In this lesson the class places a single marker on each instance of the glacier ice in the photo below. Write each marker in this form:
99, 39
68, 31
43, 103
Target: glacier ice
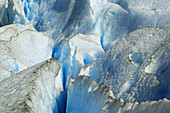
11, 11
109, 19
121, 46
95, 98
91, 98
73, 55
22, 46
31, 90
9, 31
123, 67
84, 52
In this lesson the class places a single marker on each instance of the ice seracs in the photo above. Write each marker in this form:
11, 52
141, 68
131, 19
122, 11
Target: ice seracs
31, 90
109, 19
124, 67
118, 106
21, 46
12, 11
76, 52
4, 73
85, 95
83, 48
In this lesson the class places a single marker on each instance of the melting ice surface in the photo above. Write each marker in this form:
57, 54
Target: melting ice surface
120, 46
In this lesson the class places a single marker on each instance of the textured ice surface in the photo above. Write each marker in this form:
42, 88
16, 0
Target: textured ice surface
12, 11
12, 30
137, 67
83, 48
75, 53
109, 19
30, 91
91, 98
117, 106
96, 98
21, 46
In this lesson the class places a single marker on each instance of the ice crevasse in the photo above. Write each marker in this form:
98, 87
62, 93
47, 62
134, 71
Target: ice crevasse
84, 56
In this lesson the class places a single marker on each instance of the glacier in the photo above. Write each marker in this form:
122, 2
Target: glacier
79, 56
